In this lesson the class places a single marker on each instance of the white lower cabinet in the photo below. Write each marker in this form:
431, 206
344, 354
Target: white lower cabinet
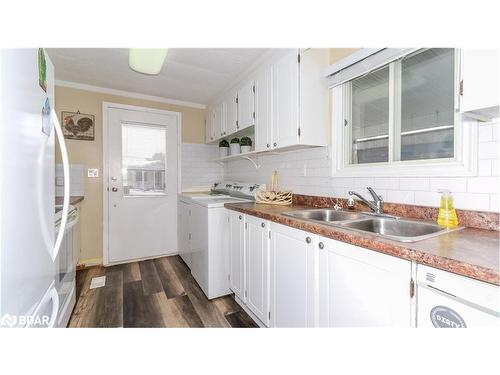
249, 264
237, 254
362, 288
293, 291
257, 267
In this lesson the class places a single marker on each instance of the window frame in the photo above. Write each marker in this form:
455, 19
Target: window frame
463, 163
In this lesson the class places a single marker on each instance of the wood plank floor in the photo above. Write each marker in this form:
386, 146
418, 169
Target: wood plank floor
152, 293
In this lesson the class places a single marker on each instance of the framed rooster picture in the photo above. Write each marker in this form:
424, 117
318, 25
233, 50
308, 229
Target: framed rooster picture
78, 125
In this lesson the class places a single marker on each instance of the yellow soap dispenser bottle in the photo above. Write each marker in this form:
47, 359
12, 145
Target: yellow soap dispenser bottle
447, 216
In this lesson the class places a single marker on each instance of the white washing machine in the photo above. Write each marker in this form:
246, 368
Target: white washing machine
203, 233
447, 300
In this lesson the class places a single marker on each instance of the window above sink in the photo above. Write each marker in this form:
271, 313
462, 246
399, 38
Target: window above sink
402, 118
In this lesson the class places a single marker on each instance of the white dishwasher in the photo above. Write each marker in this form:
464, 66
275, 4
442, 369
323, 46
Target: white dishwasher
447, 300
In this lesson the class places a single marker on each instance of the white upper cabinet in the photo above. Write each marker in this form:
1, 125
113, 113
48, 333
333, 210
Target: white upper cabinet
210, 126
480, 93
231, 113
286, 101
246, 110
313, 97
219, 120
263, 109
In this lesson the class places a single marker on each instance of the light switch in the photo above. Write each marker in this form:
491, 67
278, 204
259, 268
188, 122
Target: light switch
93, 172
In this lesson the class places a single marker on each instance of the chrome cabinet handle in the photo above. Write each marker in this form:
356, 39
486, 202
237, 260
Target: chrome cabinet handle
321, 245
275, 144
240, 217
263, 225
114, 190
308, 239
268, 145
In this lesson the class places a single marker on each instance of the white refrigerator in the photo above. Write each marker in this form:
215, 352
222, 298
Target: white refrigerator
29, 244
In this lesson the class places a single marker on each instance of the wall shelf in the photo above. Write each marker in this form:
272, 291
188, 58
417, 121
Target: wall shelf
245, 156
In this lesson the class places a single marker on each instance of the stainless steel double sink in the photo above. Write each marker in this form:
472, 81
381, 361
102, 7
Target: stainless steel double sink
387, 226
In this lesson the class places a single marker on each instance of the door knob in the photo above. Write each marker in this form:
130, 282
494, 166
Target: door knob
114, 190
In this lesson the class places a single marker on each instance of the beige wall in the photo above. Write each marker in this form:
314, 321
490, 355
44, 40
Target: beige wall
337, 54
89, 153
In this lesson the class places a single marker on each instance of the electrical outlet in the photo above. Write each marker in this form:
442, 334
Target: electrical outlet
92, 172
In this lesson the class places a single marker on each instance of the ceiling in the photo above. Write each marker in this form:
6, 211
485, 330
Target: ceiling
189, 74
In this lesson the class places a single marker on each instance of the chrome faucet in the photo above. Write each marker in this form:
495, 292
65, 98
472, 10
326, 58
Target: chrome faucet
376, 205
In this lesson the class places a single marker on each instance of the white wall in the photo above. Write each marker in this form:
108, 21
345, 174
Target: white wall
307, 171
198, 169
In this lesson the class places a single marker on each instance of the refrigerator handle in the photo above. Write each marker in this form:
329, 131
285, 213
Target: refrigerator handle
54, 296
65, 162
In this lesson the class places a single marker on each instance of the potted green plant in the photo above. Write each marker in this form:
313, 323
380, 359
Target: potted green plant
235, 146
246, 144
223, 148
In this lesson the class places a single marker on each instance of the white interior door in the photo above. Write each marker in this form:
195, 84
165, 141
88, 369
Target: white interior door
142, 161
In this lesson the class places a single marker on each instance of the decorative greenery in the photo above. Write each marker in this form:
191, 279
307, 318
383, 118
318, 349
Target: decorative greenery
246, 141
223, 143
235, 140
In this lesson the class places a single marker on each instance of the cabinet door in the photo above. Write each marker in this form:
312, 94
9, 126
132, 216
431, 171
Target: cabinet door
362, 288
237, 254
286, 100
480, 82
218, 118
257, 267
210, 125
183, 232
231, 113
293, 287
263, 109
246, 110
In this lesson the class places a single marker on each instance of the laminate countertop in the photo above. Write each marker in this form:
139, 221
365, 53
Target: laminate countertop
72, 200
468, 252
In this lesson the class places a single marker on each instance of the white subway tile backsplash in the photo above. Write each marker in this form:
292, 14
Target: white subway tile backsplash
489, 150
485, 133
414, 183
495, 202
483, 184
484, 167
386, 183
401, 196
496, 131
455, 184
197, 165
476, 202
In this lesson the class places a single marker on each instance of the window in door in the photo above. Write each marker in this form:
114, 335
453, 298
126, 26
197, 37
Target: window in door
144, 154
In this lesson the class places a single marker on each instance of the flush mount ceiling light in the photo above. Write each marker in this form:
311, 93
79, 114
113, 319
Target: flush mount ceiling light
147, 60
